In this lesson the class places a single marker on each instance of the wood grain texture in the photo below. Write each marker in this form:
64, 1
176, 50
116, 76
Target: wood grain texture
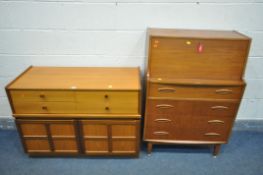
48, 114
190, 91
192, 108
194, 85
111, 137
117, 102
78, 78
219, 59
202, 34
96, 137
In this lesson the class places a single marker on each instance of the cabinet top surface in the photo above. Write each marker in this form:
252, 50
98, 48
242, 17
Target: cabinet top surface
74, 78
205, 34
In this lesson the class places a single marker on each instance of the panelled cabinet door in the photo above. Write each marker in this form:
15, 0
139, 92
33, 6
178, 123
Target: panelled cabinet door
110, 136
46, 136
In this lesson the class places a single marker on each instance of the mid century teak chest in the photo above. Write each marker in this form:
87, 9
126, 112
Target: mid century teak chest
77, 110
194, 86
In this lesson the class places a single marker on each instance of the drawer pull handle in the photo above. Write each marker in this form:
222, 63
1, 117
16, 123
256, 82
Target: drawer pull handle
224, 91
162, 120
107, 108
166, 90
216, 121
164, 106
42, 96
44, 107
106, 96
219, 107
161, 133
212, 134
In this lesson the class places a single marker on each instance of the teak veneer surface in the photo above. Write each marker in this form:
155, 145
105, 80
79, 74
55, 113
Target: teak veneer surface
78, 78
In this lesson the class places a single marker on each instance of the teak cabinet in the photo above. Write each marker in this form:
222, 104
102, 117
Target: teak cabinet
77, 111
194, 86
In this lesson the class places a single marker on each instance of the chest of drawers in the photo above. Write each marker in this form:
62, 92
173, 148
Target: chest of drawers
194, 86
77, 111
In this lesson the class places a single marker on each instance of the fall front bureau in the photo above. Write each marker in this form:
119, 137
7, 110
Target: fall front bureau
194, 86
77, 111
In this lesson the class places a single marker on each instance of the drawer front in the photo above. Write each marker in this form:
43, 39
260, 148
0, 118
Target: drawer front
108, 102
198, 128
32, 107
42, 96
197, 58
176, 91
171, 108
205, 128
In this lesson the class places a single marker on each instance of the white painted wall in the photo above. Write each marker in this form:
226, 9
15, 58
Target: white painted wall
112, 33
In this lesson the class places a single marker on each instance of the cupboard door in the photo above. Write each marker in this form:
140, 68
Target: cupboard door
109, 137
49, 136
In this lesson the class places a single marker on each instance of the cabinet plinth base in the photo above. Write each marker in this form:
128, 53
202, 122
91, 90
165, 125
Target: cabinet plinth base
216, 147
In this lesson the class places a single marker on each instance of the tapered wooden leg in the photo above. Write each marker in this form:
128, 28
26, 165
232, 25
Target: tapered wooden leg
149, 148
216, 149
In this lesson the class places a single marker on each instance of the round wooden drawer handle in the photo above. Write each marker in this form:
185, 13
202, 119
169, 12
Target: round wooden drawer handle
42, 96
107, 108
106, 96
44, 107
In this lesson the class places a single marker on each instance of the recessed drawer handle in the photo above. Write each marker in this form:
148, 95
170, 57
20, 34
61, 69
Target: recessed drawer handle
219, 107
162, 120
44, 107
161, 133
42, 96
164, 106
224, 91
212, 134
216, 121
166, 90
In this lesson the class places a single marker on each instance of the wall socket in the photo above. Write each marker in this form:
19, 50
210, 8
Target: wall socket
7, 123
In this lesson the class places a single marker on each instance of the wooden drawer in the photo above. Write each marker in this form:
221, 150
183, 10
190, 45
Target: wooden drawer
33, 107
170, 108
197, 58
41, 96
189, 128
109, 102
177, 91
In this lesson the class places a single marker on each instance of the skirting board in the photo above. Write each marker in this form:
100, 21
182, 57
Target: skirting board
8, 123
